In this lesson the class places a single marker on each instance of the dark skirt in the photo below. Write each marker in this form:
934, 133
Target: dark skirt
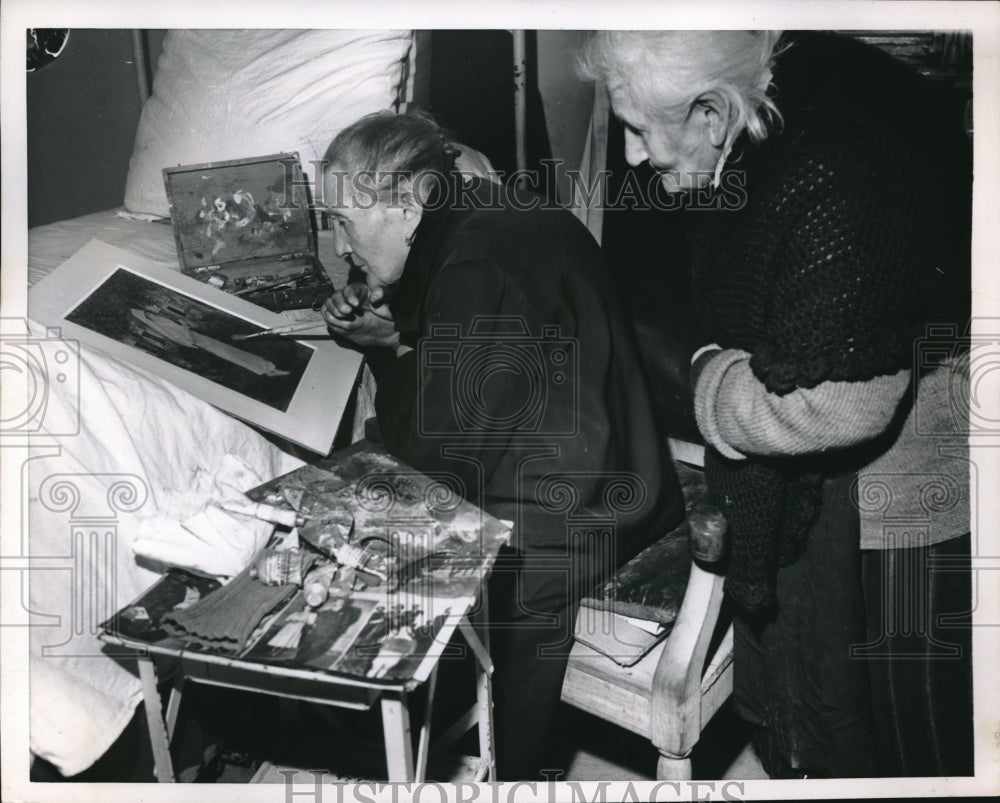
919, 658
834, 685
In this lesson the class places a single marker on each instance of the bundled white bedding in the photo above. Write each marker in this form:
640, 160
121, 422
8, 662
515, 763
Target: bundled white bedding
141, 442
49, 246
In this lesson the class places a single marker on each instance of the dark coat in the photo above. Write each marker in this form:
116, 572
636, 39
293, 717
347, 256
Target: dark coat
524, 384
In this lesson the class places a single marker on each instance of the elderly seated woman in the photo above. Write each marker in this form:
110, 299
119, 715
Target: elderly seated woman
504, 364
849, 237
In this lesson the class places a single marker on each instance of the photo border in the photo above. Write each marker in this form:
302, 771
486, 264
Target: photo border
980, 17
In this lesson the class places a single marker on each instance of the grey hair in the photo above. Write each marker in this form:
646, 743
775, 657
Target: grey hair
385, 147
663, 73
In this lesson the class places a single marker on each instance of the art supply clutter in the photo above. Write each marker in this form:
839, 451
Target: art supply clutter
369, 562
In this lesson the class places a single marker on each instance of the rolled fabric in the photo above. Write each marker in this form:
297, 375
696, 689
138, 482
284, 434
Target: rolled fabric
225, 619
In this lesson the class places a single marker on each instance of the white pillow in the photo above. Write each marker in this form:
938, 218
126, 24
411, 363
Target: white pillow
224, 94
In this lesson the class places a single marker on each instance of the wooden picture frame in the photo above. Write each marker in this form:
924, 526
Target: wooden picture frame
181, 329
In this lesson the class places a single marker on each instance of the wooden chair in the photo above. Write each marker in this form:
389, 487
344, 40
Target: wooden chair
672, 692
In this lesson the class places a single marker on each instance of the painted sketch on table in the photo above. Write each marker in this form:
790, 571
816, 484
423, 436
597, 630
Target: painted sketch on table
419, 528
365, 635
195, 336
435, 546
414, 532
314, 638
393, 643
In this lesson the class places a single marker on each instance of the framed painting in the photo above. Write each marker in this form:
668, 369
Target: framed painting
193, 335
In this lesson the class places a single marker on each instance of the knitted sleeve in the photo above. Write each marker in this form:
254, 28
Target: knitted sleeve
852, 277
739, 417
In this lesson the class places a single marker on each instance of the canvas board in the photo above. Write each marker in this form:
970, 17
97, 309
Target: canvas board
245, 226
181, 330
239, 211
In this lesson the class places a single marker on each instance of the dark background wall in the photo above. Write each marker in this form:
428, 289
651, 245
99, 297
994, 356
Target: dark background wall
472, 92
82, 114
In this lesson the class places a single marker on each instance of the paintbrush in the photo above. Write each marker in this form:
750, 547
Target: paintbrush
245, 291
282, 330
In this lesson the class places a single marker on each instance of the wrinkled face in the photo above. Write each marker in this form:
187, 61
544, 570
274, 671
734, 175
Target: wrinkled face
371, 234
681, 150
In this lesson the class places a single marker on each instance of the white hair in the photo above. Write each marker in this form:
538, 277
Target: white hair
663, 73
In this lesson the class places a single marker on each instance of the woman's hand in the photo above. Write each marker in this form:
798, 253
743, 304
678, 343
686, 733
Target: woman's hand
357, 314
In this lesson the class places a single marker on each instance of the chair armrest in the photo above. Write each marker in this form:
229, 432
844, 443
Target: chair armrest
675, 716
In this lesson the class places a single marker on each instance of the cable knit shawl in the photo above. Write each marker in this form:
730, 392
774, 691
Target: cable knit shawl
842, 253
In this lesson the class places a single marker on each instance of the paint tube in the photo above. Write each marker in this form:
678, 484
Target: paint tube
316, 587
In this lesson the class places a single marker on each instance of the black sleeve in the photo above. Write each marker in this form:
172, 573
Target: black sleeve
449, 405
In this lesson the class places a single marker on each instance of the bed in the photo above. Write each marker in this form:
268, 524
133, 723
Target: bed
127, 447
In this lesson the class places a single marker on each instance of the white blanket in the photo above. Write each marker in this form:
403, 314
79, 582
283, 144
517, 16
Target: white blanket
141, 441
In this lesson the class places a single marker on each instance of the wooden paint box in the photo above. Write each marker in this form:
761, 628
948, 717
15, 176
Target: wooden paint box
245, 227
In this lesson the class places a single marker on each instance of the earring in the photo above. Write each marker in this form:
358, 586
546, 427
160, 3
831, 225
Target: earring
411, 237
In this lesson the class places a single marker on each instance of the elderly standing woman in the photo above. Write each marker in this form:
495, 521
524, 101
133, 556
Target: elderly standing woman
850, 238
528, 395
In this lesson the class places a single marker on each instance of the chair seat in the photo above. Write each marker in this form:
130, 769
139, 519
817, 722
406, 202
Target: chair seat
621, 695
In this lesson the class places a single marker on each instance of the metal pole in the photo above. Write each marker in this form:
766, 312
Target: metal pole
140, 56
520, 100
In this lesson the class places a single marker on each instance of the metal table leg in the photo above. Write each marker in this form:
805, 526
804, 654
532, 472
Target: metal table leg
398, 743
484, 694
154, 720
424, 742
174, 703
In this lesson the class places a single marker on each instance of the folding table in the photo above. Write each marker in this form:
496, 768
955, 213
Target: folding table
452, 589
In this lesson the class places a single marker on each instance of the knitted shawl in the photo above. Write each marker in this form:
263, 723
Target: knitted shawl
828, 271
